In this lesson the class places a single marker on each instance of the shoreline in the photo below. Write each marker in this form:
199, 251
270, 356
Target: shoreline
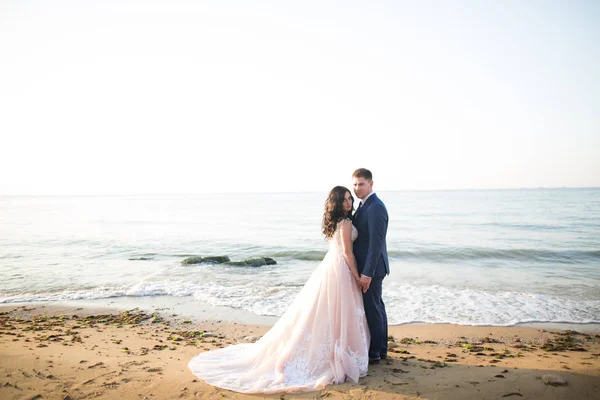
66, 352
177, 309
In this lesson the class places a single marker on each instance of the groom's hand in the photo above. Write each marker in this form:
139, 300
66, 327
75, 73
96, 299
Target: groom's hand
365, 282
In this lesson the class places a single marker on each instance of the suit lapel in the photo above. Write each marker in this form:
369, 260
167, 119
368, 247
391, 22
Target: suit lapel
365, 205
368, 202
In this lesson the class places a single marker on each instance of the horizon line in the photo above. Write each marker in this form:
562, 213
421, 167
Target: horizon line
296, 192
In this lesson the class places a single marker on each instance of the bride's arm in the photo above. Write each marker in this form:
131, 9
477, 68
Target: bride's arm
346, 231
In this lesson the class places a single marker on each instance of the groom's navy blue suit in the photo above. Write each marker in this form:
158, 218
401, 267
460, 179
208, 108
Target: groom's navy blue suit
370, 251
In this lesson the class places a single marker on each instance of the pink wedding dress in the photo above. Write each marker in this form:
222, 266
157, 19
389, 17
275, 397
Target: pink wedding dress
322, 338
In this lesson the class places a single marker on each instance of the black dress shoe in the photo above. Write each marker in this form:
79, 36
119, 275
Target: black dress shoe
374, 361
383, 356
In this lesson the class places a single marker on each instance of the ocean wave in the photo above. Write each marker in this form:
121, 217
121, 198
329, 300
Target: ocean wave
405, 303
310, 255
453, 254
300, 255
438, 304
441, 255
571, 225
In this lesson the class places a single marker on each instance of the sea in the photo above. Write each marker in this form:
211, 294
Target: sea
471, 257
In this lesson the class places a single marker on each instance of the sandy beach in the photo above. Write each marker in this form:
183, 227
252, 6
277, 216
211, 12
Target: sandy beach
51, 352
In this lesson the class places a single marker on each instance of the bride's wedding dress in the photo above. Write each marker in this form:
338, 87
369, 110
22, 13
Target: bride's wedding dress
322, 338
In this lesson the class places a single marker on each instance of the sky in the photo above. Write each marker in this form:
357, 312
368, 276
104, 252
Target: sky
165, 97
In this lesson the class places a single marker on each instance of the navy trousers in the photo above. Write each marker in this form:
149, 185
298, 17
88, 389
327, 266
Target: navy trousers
376, 319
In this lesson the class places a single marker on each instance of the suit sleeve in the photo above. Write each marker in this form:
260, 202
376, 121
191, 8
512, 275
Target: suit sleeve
377, 222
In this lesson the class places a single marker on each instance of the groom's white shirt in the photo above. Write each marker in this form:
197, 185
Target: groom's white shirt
365, 199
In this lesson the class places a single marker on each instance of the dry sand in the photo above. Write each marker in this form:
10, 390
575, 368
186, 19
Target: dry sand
74, 353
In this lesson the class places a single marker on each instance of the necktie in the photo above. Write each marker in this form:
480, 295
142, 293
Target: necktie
358, 209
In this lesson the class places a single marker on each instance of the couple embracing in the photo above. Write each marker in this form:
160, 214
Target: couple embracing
337, 324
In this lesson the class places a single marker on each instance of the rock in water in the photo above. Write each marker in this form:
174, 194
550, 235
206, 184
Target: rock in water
205, 260
216, 259
192, 260
253, 262
553, 380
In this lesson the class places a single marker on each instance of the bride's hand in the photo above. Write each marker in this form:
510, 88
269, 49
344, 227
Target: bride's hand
357, 278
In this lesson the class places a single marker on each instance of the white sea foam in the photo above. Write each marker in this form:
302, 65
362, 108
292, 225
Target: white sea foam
437, 304
404, 303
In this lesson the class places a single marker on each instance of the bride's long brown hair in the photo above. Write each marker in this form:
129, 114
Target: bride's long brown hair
334, 210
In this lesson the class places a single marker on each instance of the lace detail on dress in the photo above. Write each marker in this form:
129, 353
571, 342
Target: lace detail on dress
300, 369
297, 369
337, 239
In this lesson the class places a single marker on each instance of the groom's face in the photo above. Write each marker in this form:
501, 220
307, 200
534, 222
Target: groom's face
362, 187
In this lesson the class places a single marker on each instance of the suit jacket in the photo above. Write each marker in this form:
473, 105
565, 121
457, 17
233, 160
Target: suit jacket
370, 249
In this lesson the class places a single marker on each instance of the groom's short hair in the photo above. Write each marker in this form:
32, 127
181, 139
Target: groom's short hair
363, 173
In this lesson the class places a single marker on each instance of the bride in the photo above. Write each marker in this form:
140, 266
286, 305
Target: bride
322, 338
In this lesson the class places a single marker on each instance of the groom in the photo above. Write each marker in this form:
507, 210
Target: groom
370, 251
